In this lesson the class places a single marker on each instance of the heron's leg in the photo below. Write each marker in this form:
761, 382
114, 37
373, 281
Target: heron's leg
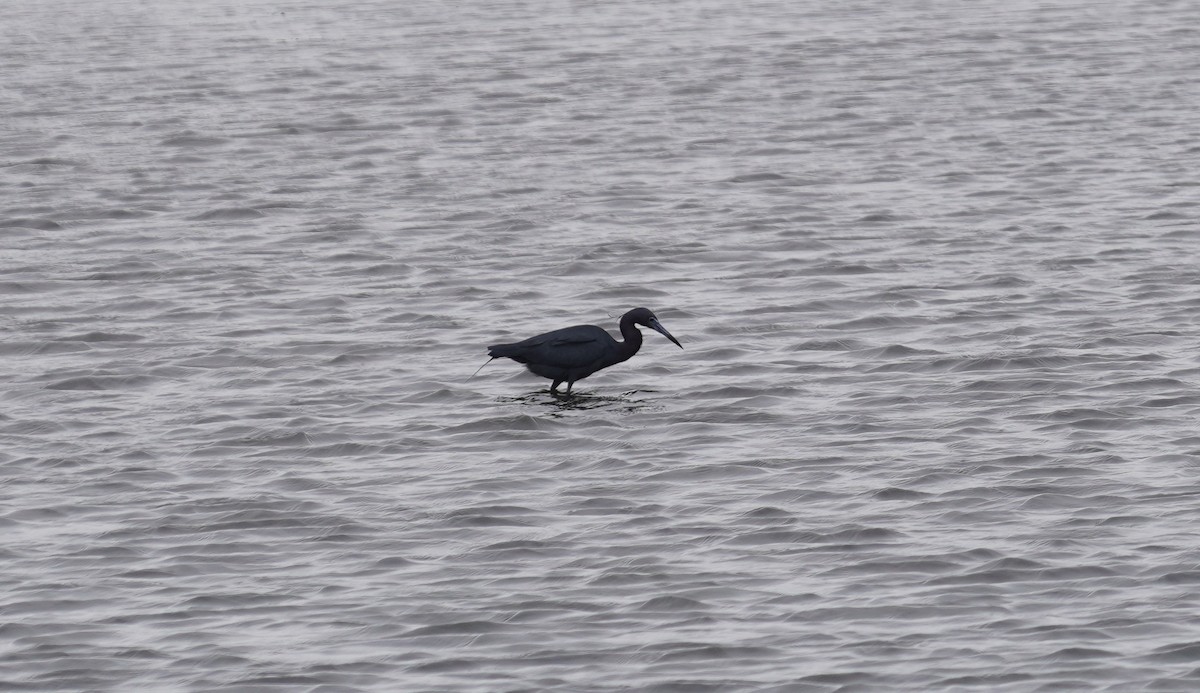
556, 383
570, 384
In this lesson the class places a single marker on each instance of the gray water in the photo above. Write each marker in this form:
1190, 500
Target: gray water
932, 263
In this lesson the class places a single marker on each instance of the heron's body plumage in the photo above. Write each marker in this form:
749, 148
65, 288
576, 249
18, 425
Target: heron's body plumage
574, 353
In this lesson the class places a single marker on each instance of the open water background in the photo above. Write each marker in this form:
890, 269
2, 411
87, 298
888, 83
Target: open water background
933, 264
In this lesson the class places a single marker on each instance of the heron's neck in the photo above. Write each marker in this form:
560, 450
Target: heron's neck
633, 338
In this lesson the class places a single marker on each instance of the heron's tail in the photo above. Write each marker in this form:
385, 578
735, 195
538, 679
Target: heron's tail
498, 351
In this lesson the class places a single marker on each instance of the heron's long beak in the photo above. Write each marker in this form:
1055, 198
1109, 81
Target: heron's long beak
657, 327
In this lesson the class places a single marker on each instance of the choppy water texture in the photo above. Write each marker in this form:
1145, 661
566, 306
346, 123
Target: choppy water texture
934, 428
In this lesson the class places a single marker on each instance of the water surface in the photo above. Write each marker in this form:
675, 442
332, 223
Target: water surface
934, 427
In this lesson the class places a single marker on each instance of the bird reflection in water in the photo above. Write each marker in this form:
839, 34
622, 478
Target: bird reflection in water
560, 405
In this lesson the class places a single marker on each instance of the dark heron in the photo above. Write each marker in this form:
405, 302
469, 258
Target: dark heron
574, 353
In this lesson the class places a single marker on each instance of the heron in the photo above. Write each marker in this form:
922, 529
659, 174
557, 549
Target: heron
574, 353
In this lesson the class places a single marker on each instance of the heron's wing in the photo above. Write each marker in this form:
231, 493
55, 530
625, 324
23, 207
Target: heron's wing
571, 348
550, 340
568, 348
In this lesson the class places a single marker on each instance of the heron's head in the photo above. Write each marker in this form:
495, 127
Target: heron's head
644, 316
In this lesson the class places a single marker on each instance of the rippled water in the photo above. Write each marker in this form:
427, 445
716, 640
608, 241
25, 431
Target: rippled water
933, 264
